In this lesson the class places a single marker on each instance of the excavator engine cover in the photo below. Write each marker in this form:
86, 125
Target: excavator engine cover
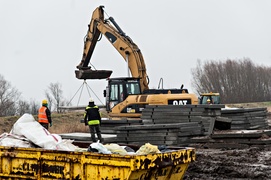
92, 74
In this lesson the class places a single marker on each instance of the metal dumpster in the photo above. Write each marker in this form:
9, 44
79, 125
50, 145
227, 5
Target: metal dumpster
41, 164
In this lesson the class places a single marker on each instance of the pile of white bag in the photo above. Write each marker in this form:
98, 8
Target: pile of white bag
27, 132
113, 148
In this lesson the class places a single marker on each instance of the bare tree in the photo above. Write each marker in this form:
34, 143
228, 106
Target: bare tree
55, 93
34, 107
23, 107
30, 107
236, 80
8, 97
49, 99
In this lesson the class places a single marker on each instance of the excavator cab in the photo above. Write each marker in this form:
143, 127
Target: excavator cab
119, 89
124, 97
213, 97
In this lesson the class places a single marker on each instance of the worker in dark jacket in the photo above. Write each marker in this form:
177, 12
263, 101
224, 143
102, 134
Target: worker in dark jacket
44, 115
92, 118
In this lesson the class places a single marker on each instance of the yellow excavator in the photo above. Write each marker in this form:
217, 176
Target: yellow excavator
209, 98
125, 97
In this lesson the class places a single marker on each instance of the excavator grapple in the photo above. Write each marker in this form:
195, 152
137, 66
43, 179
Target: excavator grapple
92, 74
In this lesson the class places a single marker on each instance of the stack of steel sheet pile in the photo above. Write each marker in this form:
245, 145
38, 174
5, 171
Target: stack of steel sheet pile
248, 127
246, 118
109, 126
170, 125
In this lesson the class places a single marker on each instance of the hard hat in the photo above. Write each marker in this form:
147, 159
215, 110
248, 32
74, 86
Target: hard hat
208, 100
44, 101
91, 100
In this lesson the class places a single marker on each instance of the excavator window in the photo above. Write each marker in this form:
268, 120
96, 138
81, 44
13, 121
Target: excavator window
114, 92
121, 93
133, 88
214, 99
110, 37
119, 89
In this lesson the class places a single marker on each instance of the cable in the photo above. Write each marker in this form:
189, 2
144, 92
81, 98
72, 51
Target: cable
95, 94
75, 94
81, 88
106, 13
81, 93
91, 65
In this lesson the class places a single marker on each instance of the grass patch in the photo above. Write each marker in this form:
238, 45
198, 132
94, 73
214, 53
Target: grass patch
62, 123
69, 122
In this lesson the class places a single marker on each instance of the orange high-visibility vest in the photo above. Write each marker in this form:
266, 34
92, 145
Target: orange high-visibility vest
42, 117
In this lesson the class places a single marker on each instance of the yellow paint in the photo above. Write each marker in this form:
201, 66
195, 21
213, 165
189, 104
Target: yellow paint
31, 163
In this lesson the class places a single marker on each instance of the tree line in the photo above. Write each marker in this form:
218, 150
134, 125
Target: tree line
12, 103
237, 81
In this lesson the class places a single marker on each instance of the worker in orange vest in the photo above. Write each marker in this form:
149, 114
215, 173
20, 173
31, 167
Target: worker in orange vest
44, 116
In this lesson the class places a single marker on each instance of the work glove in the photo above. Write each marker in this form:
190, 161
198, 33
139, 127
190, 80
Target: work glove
86, 122
51, 124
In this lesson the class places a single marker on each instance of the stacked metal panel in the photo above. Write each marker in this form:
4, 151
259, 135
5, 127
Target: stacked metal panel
108, 126
159, 134
234, 139
246, 118
170, 125
205, 114
163, 134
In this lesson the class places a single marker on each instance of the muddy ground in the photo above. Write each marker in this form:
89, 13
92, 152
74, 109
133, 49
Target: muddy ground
222, 164
211, 164
231, 164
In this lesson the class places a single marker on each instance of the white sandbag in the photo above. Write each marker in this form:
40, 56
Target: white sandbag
26, 123
147, 148
12, 140
116, 149
100, 148
49, 141
66, 145
28, 127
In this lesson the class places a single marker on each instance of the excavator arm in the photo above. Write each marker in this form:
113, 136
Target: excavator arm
122, 43
125, 97
91, 37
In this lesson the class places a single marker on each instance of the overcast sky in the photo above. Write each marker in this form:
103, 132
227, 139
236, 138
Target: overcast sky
41, 42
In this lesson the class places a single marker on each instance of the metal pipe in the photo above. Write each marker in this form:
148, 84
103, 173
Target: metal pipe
117, 26
127, 60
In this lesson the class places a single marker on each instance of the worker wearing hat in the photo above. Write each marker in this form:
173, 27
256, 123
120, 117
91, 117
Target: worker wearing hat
92, 118
44, 115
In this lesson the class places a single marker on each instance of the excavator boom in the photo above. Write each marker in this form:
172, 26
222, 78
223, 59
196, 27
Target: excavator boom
123, 44
91, 37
